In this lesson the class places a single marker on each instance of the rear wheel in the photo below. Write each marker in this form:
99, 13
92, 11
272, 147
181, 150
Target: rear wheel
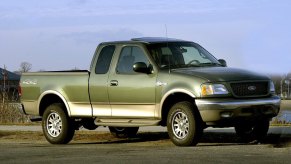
57, 127
184, 124
253, 131
123, 132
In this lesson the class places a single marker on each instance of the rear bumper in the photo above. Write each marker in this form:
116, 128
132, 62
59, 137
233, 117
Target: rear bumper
20, 108
22, 111
230, 111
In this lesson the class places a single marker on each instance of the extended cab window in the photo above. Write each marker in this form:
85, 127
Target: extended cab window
130, 55
104, 59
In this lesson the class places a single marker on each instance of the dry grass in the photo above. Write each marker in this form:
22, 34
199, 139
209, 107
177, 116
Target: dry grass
286, 104
280, 120
9, 114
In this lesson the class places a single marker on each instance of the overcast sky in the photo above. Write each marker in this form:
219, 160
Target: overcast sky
63, 34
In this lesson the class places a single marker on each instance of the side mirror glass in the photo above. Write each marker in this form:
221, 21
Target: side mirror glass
141, 67
222, 62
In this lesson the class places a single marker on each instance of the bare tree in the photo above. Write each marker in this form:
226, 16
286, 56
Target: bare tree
25, 67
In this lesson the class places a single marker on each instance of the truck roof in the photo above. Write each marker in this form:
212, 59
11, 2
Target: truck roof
149, 40
157, 39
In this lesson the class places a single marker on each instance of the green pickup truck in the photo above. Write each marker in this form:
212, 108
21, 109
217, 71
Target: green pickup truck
151, 82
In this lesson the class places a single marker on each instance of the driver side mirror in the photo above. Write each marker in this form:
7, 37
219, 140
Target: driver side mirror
141, 67
222, 62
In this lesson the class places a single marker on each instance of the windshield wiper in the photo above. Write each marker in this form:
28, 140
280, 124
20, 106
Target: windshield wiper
210, 64
176, 66
191, 65
170, 66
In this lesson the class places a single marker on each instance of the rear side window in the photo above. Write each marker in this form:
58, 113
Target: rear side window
104, 59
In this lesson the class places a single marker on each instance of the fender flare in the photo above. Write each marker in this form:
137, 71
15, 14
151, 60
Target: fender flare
57, 94
166, 95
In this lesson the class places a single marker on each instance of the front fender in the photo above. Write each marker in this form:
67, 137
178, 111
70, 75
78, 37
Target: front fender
187, 92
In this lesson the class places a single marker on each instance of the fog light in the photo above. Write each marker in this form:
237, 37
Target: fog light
226, 114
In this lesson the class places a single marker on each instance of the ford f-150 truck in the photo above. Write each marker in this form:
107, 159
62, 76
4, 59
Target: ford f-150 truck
151, 82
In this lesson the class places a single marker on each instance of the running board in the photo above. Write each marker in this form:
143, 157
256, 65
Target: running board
126, 122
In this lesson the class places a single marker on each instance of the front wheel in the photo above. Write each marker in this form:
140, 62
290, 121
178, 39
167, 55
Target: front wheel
250, 132
123, 132
184, 124
57, 127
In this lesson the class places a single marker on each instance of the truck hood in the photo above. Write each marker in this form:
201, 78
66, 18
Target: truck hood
221, 74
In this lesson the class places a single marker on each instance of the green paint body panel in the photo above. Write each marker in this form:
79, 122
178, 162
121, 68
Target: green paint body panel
112, 95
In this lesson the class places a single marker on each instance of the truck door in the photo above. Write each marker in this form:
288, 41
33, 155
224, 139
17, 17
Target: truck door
99, 80
131, 94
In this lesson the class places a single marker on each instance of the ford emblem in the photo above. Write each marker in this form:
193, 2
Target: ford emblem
252, 88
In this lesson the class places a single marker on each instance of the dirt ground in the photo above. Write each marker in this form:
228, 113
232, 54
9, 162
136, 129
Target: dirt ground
146, 138
84, 137
142, 138
146, 147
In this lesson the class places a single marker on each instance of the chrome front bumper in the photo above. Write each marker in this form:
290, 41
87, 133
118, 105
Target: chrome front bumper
213, 110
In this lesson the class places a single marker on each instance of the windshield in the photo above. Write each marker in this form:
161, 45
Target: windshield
181, 55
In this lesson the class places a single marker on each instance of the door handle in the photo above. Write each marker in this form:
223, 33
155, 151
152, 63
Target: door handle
113, 83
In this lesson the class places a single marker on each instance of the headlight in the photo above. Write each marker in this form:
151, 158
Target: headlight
272, 87
213, 89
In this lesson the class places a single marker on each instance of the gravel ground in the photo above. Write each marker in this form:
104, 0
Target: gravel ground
276, 135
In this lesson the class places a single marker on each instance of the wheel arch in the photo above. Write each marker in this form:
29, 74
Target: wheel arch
49, 97
173, 97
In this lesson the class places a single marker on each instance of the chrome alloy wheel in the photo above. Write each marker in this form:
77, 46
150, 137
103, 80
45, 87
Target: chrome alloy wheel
54, 124
180, 125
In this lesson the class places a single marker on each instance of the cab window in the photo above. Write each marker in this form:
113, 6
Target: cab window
104, 59
130, 55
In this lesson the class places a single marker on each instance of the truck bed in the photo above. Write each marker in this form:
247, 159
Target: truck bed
72, 86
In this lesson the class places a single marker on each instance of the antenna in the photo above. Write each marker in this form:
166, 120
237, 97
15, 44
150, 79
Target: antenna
169, 62
166, 31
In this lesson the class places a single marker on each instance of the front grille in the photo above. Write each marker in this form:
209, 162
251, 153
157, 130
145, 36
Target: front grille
250, 89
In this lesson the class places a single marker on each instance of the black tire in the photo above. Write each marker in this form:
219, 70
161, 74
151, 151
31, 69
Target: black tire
57, 127
123, 132
88, 123
253, 131
184, 124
